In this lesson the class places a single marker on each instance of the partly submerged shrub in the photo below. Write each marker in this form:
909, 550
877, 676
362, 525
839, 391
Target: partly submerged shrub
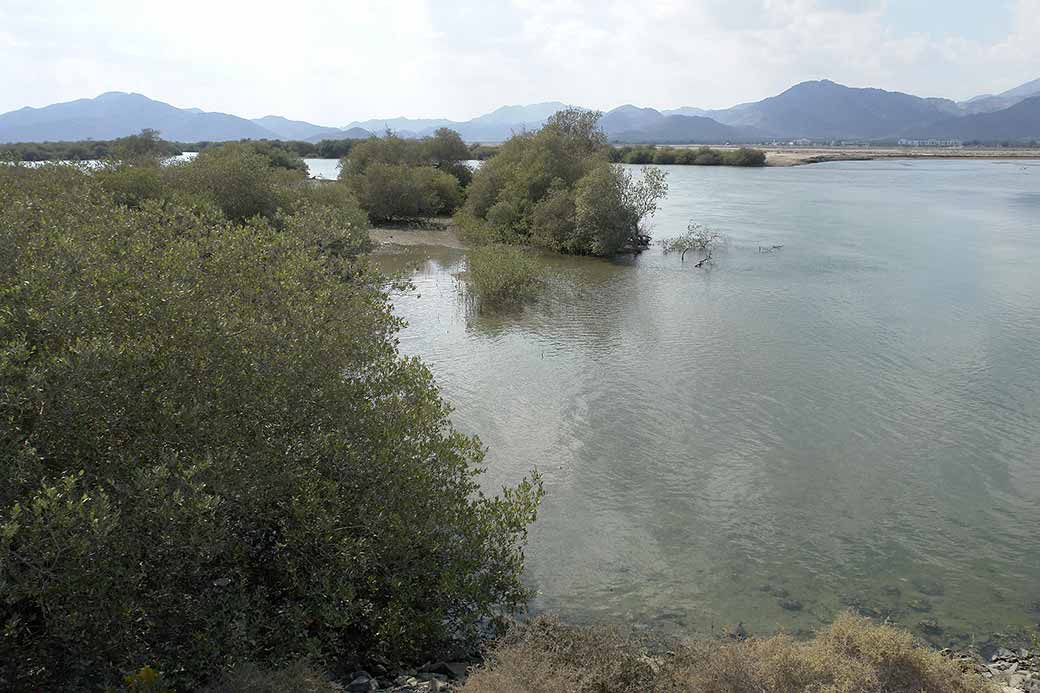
558, 189
500, 275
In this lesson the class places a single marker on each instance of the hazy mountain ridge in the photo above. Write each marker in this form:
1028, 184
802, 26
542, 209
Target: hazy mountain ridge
116, 114
296, 129
988, 103
817, 110
1019, 122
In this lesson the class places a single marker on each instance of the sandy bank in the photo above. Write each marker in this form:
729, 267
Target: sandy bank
436, 232
791, 156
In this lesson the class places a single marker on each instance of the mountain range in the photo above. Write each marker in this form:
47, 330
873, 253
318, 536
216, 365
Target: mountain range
817, 110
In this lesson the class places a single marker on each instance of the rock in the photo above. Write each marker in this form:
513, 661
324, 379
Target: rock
1002, 653
456, 670
891, 590
790, 604
362, 683
652, 663
1016, 680
774, 590
929, 586
930, 626
919, 605
1009, 689
737, 632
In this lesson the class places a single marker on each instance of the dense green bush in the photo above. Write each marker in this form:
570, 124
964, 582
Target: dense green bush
396, 178
239, 180
557, 188
132, 185
213, 453
397, 191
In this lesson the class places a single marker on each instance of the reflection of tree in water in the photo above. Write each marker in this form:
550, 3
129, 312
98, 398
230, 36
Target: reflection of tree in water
586, 304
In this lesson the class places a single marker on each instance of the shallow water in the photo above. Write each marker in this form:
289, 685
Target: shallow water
852, 420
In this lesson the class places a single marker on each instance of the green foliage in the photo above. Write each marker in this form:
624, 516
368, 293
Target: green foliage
278, 154
132, 185
240, 180
397, 191
395, 178
212, 451
685, 156
557, 189
502, 275
333, 149
144, 147
482, 152
147, 143
340, 229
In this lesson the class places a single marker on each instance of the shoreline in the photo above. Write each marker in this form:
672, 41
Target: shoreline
786, 157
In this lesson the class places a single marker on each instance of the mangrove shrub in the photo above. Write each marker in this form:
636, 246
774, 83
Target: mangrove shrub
213, 453
557, 188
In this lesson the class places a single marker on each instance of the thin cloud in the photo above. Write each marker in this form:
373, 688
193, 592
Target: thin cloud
336, 62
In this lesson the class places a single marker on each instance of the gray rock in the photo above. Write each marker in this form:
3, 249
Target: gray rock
919, 605
930, 626
737, 632
362, 683
774, 590
929, 586
455, 670
790, 604
1002, 653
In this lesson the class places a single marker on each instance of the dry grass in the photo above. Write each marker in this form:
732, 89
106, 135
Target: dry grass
298, 678
853, 655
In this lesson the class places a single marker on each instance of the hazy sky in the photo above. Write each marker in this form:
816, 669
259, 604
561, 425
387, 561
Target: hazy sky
337, 61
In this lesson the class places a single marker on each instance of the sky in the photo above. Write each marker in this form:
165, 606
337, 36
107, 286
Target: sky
338, 61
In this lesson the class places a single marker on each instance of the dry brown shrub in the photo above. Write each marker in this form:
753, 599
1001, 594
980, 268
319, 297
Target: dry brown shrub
545, 656
853, 655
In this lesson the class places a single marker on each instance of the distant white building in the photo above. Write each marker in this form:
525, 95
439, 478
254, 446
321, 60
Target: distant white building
931, 143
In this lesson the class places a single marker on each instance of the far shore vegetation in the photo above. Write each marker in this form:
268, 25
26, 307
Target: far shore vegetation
687, 156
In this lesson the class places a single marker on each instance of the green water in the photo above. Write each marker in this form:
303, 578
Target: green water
853, 420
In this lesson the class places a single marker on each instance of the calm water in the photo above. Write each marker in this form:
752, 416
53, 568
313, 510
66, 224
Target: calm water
327, 169
853, 420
